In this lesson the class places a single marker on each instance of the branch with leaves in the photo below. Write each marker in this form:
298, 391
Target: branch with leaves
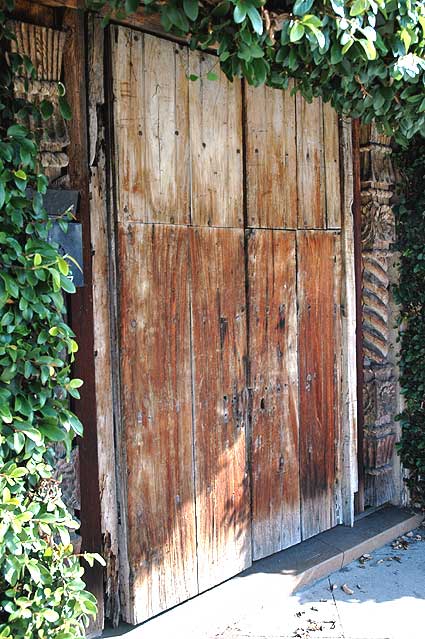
42, 592
364, 56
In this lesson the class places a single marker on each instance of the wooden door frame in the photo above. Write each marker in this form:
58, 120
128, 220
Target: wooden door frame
104, 279
349, 389
359, 496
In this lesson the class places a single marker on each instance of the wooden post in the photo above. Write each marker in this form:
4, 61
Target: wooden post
81, 304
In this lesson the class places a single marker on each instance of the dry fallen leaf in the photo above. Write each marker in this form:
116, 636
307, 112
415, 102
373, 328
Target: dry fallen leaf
347, 589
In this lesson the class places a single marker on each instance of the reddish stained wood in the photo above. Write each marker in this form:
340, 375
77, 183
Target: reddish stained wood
151, 127
318, 345
274, 382
220, 404
310, 164
216, 146
157, 417
271, 158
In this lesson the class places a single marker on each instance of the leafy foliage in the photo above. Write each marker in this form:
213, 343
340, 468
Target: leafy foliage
365, 56
42, 593
410, 294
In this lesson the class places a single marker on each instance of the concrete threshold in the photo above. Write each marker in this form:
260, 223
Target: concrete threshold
268, 585
330, 551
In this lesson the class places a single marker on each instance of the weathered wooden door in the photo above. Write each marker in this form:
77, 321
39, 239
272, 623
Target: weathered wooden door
228, 261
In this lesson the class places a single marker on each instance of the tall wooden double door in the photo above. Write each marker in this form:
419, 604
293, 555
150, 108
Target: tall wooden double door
228, 217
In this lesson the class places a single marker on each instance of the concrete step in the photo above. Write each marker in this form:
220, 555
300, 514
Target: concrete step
330, 551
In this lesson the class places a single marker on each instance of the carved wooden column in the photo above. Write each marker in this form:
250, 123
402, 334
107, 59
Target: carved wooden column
44, 47
380, 396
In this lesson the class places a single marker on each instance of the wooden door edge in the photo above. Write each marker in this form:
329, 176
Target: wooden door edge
349, 470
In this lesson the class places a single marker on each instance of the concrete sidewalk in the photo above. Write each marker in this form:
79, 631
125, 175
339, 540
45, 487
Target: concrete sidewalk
380, 596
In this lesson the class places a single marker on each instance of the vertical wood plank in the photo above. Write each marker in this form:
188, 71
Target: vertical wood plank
151, 123
348, 399
157, 417
220, 404
310, 165
332, 167
271, 157
318, 326
100, 242
216, 146
274, 382
81, 305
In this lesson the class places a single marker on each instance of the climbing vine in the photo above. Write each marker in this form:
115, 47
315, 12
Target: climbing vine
42, 593
410, 294
365, 56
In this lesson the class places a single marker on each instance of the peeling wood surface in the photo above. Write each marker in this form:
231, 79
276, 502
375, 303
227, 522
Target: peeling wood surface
81, 304
274, 382
270, 131
216, 145
157, 417
220, 404
102, 328
318, 271
310, 165
349, 479
151, 119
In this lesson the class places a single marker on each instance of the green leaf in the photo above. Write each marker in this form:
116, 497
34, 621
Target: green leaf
64, 108
63, 266
212, 76
255, 18
369, 48
301, 7
46, 109
17, 131
358, 7
131, 6
191, 9
50, 615
239, 13
297, 31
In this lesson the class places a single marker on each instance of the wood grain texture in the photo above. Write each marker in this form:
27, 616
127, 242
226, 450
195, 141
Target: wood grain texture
348, 400
81, 306
216, 146
271, 158
220, 404
157, 417
101, 262
332, 167
151, 124
318, 326
274, 383
310, 165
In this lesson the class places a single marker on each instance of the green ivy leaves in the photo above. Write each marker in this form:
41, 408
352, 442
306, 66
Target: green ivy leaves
42, 592
346, 52
410, 295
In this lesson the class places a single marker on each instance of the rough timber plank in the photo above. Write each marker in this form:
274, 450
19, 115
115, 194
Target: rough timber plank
216, 146
81, 304
332, 167
318, 326
274, 382
220, 406
157, 417
151, 123
271, 157
310, 165
102, 327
